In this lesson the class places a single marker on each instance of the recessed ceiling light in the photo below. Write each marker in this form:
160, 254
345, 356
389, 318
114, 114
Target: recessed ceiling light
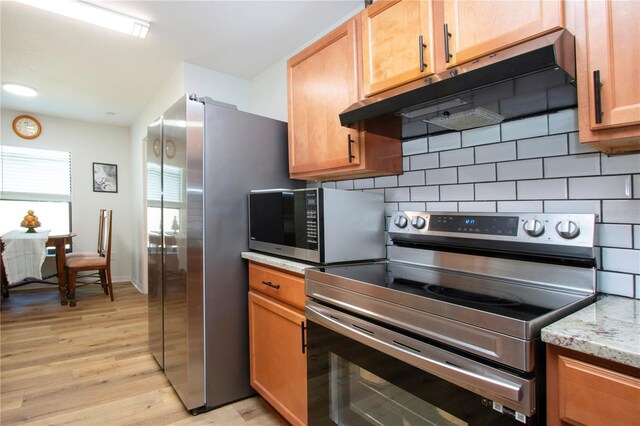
19, 89
94, 15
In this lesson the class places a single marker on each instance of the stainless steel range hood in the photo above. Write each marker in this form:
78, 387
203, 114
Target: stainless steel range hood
530, 78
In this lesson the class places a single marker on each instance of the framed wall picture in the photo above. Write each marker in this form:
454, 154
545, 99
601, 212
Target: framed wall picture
105, 177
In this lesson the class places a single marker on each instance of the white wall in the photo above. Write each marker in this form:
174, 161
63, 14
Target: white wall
269, 92
218, 86
88, 143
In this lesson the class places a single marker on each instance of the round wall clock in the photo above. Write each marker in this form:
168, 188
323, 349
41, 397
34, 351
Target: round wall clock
27, 127
157, 149
170, 149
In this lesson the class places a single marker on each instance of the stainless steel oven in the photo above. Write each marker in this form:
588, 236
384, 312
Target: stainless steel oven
447, 331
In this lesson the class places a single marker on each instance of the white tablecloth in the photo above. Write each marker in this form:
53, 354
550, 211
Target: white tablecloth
24, 254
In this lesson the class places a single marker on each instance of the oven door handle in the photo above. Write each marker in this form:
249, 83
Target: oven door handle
410, 351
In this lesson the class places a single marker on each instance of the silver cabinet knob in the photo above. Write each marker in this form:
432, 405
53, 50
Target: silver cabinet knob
567, 229
533, 228
418, 222
401, 222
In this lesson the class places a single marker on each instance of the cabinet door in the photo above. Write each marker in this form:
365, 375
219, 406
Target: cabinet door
397, 43
322, 82
477, 28
278, 360
613, 57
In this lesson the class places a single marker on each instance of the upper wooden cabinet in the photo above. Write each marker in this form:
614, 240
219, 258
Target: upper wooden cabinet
607, 34
477, 28
323, 80
397, 43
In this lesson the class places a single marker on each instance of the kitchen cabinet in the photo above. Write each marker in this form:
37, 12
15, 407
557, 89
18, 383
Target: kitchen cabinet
323, 80
477, 28
397, 43
278, 362
583, 389
608, 63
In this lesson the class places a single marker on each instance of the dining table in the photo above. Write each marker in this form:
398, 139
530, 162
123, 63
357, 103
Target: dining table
59, 243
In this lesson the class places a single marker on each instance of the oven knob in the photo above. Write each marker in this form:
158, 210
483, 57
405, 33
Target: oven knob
567, 229
401, 222
533, 227
418, 222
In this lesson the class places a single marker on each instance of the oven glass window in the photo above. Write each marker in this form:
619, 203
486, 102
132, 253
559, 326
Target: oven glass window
360, 397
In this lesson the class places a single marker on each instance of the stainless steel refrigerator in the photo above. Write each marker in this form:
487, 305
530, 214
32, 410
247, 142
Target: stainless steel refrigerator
203, 158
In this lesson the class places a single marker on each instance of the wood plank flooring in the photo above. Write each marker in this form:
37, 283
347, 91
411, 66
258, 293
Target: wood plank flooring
90, 365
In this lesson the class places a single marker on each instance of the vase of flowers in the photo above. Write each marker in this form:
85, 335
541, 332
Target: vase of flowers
30, 222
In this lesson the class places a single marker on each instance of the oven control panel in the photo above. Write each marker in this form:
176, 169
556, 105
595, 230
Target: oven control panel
570, 229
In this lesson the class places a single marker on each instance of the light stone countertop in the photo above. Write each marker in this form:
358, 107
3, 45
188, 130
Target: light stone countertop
608, 329
277, 262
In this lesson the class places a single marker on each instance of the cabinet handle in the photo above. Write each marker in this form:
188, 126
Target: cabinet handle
303, 328
349, 142
422, 46
270, 284
447, 34
596, 93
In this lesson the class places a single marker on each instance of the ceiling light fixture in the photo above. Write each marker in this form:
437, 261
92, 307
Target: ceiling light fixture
94, 15
19, 89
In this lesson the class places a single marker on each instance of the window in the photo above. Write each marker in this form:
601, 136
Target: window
38, 180
173, 194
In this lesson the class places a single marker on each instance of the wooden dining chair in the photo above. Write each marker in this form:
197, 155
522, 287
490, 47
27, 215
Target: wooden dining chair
100, 239
100, 262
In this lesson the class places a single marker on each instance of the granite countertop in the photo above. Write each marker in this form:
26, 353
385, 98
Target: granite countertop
608, 329
277, 262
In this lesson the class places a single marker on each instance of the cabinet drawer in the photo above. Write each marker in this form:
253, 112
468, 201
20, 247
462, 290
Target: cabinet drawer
593, 395
278, 284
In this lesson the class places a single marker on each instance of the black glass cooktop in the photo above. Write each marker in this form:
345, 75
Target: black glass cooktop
458, 289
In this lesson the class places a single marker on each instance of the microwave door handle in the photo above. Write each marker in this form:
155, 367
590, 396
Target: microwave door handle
406, 353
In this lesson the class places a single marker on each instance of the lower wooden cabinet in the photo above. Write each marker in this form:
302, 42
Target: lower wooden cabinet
276, 338
586, 390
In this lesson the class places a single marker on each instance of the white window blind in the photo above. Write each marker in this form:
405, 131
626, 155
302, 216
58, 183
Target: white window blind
173, 180
34, 174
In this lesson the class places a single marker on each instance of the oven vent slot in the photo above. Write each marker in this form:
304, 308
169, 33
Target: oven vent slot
402, 345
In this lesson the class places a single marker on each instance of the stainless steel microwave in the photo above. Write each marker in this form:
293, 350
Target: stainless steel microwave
317, 225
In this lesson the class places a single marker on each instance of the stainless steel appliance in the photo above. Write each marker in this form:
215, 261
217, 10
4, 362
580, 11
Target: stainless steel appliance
317, 225
203, 157
447, 331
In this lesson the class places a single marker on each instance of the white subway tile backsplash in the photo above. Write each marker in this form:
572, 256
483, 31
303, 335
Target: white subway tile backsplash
621, 260
389, 208
385, 181
526, 128
544, 189
480, 173
547, 146
413, 206
636, 237
496, 191
563, 121
424, 161
459, 157
609, 235
522, 169
636, 186
363, 183
406, 163
331, 185
481, 136
520, 206
613, 283
621, 211
600, 187
572, 165
411, 178
396, 194
590, 206
443, 142
456, 192
415, 146
442, 207
505, 151
314, 184
575, 147
441, 176
637, 287
344, 184
475, 206
425, 193
618, 164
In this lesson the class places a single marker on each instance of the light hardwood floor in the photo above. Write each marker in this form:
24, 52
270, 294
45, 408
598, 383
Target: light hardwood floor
90, 365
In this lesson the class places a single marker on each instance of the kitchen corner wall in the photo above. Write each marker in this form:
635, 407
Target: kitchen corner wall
535, 164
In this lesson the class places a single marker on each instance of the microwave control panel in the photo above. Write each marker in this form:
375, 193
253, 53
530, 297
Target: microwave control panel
311, 204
